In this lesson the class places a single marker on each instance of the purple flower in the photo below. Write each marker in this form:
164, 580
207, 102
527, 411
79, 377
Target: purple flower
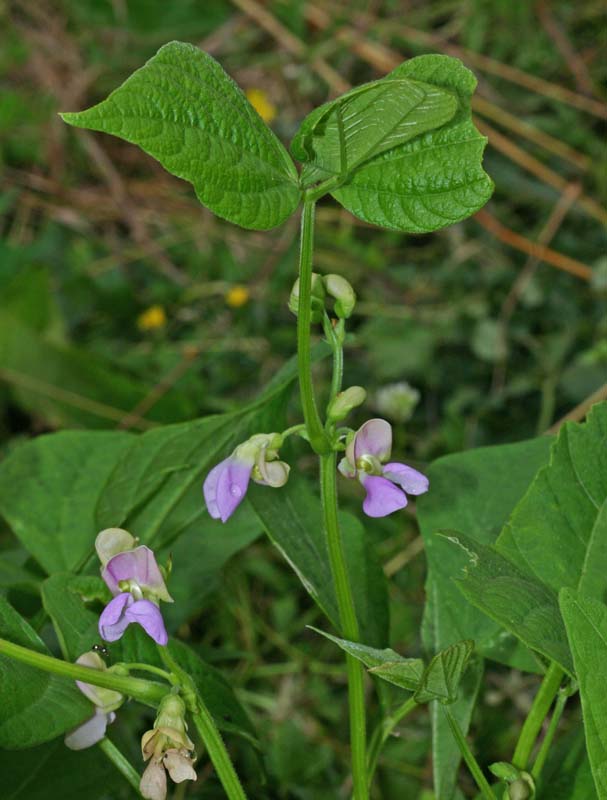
226, 484
386, 484
134, 578
124, 609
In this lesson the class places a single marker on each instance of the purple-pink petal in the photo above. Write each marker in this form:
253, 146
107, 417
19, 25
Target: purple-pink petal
137, 565
412, 481
225, 487
374, 438
383, 497
113, 622
147, 614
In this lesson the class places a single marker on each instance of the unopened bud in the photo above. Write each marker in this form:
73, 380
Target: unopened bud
318, 297
343, 293
345, 401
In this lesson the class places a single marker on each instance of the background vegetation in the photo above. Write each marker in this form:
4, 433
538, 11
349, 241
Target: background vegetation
125, 304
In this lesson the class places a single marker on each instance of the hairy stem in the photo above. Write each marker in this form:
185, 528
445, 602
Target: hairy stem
383, 731
122, 764
148, 692
537, 715
316, 434
468, 757
205, 725
349, 624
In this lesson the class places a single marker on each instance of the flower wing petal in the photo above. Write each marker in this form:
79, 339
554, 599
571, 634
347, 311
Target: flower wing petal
90, 732
113, 621
412, 481
232, 485
147, 614
383, 497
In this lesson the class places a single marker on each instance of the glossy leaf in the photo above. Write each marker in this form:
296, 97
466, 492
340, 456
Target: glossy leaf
292, 519
443, 674
586, 623
76, 625
558, 532
433, 180
49, 488
516, 600
387, 663
36, 706
185, 111
340, 136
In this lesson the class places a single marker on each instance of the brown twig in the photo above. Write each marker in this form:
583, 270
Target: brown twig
581, 410
542, 253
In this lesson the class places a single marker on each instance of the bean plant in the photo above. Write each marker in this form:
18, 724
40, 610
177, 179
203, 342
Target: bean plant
515, 535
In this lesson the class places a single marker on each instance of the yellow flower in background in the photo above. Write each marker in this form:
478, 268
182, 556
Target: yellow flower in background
261, 103
237, 296
152, 318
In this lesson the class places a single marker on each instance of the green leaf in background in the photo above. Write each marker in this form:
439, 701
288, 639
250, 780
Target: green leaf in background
516, 600
76, 625
292, 519
68, 386
36, 706
474, 491
567, 774
558, 532
586, 624
443, 674
463, 495
340, 136
49, 489
404, 672
54, 772
185, 111
433, 180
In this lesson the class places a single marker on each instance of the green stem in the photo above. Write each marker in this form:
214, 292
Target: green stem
348, 622
205, 725
540, 760
323, 188
132, 665
338, 355
148, 692
468, 757
382, 733
124, 767
537, 715
316, 434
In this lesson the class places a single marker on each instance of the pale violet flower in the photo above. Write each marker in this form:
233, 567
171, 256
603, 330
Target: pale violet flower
134, 578
386, 484
226, 484
106, 701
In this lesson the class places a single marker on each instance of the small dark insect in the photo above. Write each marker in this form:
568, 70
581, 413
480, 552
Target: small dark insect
101, 649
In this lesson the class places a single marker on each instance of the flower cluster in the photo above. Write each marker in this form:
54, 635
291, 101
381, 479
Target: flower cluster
106, 701
134, 578
386, 484
168, 749
226, 484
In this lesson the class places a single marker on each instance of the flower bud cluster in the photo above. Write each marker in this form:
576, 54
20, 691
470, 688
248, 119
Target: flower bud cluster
168, 748
333, 285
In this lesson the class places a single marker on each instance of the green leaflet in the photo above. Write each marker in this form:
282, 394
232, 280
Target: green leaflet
586, 623
516, 600
433, 180
404, 672
292, 519
184, 110
36, 706
340, 136
49, 488
443, 674
558, 532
